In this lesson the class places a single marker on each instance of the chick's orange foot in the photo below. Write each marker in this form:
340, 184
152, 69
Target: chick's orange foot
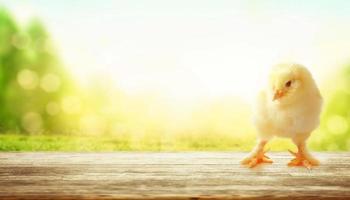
255, 159
303, 160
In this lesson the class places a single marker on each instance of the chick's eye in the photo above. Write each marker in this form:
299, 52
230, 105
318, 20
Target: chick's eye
289, 83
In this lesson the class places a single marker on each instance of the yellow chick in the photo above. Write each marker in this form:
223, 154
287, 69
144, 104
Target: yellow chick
289, 107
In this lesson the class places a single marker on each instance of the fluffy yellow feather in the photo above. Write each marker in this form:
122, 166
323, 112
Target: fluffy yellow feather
289, 106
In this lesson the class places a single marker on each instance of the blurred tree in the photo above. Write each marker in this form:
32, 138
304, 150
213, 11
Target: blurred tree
335, 126
33, 81
9, 57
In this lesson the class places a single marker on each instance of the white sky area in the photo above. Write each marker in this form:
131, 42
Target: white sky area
190, 49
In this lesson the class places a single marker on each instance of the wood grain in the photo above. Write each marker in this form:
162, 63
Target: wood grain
188, 175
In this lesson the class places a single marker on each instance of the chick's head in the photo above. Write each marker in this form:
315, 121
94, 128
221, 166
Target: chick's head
288, 82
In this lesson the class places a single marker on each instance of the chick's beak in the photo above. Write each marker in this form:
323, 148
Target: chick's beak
278, 94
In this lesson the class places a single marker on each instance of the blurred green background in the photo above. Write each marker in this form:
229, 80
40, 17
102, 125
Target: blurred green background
43, 106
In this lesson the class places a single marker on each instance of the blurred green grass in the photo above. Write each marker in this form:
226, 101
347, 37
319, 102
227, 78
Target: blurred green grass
20, 142
189, 142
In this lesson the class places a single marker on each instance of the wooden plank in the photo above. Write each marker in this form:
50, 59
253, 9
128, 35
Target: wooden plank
150, 175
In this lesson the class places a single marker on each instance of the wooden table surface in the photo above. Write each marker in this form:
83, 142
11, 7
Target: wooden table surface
146, 175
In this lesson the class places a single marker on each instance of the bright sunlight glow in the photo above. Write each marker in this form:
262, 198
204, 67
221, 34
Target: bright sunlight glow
184, 50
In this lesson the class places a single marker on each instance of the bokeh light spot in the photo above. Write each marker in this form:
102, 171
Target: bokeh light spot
50, 82
27, 79
32, 122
